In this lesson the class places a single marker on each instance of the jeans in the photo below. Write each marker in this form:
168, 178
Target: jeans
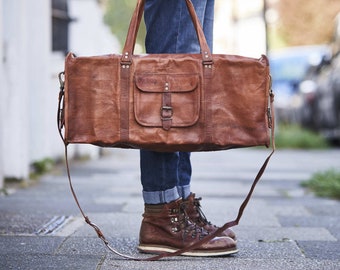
166, 176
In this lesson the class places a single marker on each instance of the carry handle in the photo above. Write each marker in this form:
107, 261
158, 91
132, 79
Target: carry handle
135, 23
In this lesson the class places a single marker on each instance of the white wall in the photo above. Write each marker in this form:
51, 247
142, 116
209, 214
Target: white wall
15, 89
88, 34
29, 84
1, 97
41, 128
245, 35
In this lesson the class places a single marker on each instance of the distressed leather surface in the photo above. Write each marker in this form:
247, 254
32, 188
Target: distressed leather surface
237, 111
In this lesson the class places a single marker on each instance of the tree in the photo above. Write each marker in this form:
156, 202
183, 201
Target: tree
118, 15
305, 22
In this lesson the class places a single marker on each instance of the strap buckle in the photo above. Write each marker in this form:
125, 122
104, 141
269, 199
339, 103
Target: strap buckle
166, 112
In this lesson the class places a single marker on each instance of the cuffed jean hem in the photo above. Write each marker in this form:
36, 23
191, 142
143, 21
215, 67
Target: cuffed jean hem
184, 191
158, 197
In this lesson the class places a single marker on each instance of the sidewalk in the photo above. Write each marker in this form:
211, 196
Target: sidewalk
283, 227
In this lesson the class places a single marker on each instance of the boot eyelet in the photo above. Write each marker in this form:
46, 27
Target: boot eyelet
174, 229
174, 219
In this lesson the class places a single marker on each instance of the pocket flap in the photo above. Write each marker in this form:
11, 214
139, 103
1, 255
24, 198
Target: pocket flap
157, 83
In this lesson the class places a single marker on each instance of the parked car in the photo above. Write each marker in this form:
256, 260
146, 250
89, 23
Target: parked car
288, 68
320, 93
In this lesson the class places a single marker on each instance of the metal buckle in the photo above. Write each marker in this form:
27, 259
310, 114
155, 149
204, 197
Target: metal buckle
166, 112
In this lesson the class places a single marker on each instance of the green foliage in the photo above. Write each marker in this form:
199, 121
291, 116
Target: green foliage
42, 166
118, 15
293, 136
325, 184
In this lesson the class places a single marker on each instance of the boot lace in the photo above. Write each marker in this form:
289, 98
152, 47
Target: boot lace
201, 216
189, 227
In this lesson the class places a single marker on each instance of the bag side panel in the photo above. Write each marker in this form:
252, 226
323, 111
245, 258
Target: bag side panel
240, 96
92, 108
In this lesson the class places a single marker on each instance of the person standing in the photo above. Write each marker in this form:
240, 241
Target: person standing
172, 217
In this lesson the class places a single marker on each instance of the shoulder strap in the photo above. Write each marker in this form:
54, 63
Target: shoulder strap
194, 246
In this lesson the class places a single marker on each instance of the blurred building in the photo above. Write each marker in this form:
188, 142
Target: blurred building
34, 37
240, 27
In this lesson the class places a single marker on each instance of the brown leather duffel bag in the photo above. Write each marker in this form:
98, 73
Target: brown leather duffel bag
166, 102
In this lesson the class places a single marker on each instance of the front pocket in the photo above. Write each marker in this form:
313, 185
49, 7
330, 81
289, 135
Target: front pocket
167, 100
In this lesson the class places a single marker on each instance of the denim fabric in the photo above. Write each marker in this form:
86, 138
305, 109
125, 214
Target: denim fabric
166, 176
170, 29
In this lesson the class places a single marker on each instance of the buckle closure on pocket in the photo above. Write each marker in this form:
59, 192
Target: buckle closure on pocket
166, 117
166, 112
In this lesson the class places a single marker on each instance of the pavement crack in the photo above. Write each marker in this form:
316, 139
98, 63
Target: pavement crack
53, 225
101, 262
275, 240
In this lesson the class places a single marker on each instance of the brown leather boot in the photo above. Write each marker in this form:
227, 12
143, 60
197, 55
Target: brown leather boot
167, 228
194, 211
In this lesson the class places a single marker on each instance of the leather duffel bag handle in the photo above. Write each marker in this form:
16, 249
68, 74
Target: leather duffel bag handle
130, 41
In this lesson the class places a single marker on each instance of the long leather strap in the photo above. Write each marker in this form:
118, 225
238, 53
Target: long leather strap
186, 249
126, 60
181, 251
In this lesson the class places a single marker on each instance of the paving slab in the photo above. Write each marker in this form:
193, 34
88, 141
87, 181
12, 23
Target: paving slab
283, 227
